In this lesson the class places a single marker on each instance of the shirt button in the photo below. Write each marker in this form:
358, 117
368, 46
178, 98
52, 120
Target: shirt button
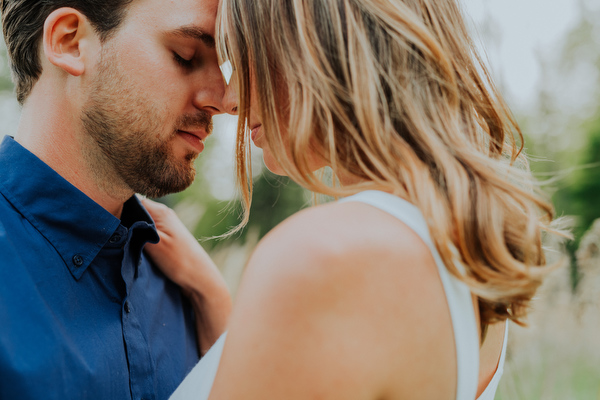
77, 260
127, 307
115, 238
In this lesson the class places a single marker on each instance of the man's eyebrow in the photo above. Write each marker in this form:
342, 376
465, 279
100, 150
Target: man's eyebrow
194, 32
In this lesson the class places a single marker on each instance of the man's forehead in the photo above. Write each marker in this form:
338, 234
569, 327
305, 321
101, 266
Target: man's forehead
193, 32
188, 18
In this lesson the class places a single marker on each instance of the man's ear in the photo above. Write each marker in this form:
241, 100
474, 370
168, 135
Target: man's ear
66, 35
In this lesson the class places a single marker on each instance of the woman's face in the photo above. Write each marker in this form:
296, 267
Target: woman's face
258, 136
254, 118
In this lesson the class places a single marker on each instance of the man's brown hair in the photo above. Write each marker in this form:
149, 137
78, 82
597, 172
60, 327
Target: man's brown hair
23, 24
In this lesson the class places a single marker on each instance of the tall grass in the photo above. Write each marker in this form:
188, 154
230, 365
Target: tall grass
558, 356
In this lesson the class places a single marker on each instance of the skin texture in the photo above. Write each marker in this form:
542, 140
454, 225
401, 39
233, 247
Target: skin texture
101, 111
127, 129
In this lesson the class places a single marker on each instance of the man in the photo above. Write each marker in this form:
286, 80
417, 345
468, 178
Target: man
117, 98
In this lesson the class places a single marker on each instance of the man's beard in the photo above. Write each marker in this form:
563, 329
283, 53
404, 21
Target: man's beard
128, 129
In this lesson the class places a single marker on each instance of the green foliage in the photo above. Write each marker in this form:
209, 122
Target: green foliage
574, 378
581, 194
566, 129
274, 199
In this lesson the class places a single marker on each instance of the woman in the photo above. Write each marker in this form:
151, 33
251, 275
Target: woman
402, 289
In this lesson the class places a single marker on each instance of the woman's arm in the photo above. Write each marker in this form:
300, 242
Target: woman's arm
185, 262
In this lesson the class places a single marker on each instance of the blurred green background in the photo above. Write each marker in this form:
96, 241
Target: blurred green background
545, 56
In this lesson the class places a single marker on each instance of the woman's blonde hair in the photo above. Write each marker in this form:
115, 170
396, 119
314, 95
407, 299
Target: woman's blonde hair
393, 94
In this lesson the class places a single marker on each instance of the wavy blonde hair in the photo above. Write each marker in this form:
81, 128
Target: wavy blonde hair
393, 94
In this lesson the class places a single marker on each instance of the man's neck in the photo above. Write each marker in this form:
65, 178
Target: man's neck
56, 138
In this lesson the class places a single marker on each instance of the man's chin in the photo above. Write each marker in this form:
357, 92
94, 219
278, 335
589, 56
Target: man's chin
166, 184
157, 192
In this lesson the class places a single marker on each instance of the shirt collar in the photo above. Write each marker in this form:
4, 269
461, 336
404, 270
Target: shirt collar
76, 226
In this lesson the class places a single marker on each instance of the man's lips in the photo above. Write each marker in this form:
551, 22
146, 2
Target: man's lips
199, 133
194, 138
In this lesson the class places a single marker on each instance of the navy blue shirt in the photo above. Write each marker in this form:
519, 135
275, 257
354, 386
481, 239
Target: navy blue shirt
84, 314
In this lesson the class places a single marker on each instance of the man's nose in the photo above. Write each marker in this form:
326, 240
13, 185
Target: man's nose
230, 98
210, 90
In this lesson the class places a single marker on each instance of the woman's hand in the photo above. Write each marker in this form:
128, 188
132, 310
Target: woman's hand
185, 262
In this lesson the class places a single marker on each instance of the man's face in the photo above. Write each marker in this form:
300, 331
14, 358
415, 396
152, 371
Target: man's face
153, 94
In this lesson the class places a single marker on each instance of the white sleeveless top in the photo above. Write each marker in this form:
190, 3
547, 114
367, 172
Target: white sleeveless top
199, 381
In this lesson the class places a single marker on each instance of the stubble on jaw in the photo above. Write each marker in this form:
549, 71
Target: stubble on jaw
125, 140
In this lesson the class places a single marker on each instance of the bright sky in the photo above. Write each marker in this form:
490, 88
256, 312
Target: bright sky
526, 30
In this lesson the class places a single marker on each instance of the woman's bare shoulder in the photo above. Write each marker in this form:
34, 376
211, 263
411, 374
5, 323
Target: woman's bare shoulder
337, 291
340, 230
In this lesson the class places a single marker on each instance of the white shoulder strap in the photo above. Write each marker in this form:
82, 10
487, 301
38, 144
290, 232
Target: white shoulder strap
458, 294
